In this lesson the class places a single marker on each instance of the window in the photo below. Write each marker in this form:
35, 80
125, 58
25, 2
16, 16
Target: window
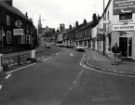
8, 20
126, 16
28, 39
9, 37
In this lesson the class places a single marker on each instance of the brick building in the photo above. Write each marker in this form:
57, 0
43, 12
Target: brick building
17, 31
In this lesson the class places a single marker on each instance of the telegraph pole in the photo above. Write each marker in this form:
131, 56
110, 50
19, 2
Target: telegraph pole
103, 5
103, 29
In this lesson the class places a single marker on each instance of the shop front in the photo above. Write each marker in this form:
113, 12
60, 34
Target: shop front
125, 43
126, 39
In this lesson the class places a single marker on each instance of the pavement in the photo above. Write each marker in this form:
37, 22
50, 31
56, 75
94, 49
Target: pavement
99, 61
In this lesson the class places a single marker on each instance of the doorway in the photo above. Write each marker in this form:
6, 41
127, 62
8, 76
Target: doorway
126, 46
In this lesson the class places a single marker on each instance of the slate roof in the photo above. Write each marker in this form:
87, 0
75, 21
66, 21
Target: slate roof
13, 10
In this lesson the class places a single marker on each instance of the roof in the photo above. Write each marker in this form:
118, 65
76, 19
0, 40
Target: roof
13, 10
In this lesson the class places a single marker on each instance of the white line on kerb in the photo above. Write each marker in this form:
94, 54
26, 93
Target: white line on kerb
8, 76
20, 68
101, 71
1, 87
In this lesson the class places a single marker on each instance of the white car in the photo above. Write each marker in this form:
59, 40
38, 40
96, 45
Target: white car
80, 48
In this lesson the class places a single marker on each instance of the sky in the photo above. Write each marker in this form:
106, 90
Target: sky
55, 12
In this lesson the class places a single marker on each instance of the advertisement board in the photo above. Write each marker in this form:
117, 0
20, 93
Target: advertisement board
18, 32
123, 6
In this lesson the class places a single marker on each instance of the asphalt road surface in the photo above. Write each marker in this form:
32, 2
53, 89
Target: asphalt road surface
61, 80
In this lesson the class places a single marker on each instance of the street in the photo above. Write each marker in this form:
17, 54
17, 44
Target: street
61, 80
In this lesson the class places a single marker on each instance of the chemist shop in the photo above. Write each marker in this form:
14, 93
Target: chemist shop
124, 34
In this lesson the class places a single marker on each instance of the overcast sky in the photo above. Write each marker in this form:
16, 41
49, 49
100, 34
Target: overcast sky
54, 12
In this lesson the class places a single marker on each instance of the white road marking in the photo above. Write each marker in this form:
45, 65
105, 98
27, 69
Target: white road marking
20, 68
71, 54
59, 53
8, 76
46, 59
1, 87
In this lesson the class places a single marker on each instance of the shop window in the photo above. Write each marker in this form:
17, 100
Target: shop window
126, 16
9, 37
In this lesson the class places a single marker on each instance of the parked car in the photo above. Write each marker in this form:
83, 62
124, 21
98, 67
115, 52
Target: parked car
80, 48
60, 45
69, 46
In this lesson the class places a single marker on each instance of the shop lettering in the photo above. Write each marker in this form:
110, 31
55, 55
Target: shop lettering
123, 27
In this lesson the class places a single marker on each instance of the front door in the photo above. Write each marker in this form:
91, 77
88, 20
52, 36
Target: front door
126, 46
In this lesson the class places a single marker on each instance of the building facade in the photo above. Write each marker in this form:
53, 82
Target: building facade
117, 25
16, 30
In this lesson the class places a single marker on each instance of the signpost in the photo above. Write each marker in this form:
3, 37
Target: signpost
18, 32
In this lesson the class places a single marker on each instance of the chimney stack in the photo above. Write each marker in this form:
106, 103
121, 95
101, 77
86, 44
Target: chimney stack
77, 24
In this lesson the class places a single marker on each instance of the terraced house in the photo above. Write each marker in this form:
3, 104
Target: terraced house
117, 25
17, 31
84, 33
80, 35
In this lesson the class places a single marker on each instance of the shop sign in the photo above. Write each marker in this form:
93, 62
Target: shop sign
126, 27
18, 32
18, 23
122, 6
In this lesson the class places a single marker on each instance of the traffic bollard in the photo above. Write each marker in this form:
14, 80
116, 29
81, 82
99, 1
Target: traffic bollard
33, 55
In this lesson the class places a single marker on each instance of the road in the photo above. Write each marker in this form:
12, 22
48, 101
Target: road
61, 80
